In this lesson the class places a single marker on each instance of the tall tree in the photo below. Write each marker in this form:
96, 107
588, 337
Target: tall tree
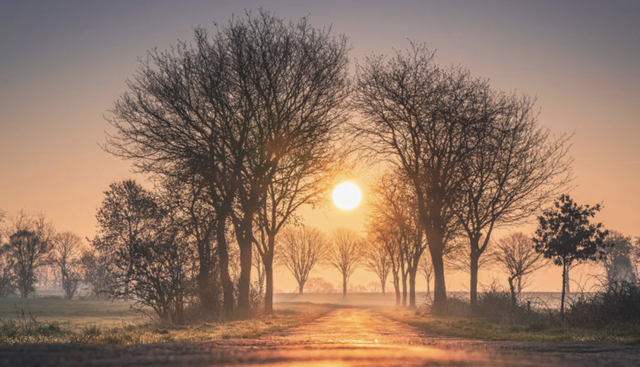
566, 235
67, 250
345, 254
416, 116
517, 255
301, 249
515, 167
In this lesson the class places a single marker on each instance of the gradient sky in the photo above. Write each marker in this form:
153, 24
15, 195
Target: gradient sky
63, 64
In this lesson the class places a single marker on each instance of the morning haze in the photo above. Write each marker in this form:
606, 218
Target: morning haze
66, 130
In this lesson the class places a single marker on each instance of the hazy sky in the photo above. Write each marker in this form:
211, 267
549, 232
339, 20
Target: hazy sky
63, 64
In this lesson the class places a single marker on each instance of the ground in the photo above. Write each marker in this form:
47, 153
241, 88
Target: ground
343, 337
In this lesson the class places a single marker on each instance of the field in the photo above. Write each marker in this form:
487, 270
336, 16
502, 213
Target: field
54, 320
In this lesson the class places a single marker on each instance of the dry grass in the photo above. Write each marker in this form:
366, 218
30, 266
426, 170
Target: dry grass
61, 321
480, 328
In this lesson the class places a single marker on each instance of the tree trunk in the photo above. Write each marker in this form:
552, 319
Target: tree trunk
567, 281
564, 285
439, 288
512, 288
268, 294
412, 287
206, 291
404, 289
300, 287
225, 278
396, 287
244, 282
382, 284
473, 285
344, 286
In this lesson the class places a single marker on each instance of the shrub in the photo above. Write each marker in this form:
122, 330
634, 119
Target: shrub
618, 304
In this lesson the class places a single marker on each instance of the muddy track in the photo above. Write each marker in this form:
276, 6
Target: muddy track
344, 337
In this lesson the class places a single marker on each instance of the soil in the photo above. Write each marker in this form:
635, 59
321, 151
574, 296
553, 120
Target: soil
344, 337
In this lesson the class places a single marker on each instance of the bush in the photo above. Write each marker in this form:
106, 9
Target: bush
619, 304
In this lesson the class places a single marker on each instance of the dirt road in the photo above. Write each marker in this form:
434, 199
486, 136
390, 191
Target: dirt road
344, 337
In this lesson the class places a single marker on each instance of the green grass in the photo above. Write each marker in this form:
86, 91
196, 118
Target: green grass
479, 328
80, 321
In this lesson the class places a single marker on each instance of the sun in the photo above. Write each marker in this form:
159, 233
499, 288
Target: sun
347, 195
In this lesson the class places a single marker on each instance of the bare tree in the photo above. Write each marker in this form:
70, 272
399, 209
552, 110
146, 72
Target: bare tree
415, 115
514, 169
67, 250
301, 249
30, 244
395, 205
228, 111
377, 261
127, 214
517, 255
345, 254
426, 268
148, 254
95, 274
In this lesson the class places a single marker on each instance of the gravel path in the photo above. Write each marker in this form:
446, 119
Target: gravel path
344, 337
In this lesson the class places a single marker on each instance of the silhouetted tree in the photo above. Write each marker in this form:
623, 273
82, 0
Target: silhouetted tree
377, 261
515, 167
229, 111
393, 203
416, 115
301, 249
67, 249
426, 267
345, 254
517, 255
29, 245
127, 215
148, 253
566, 235
95, 274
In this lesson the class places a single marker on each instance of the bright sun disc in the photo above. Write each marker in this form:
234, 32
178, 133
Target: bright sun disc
347, 196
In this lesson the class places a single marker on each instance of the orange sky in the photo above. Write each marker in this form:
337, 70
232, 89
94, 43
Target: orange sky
63, 64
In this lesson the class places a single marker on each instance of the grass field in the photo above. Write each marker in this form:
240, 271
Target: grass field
479, 328
81, 321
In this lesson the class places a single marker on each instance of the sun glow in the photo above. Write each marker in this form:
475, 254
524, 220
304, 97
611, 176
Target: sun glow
347, 196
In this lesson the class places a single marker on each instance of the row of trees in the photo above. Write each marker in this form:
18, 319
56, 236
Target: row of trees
241, 127
466, 159
30, 245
